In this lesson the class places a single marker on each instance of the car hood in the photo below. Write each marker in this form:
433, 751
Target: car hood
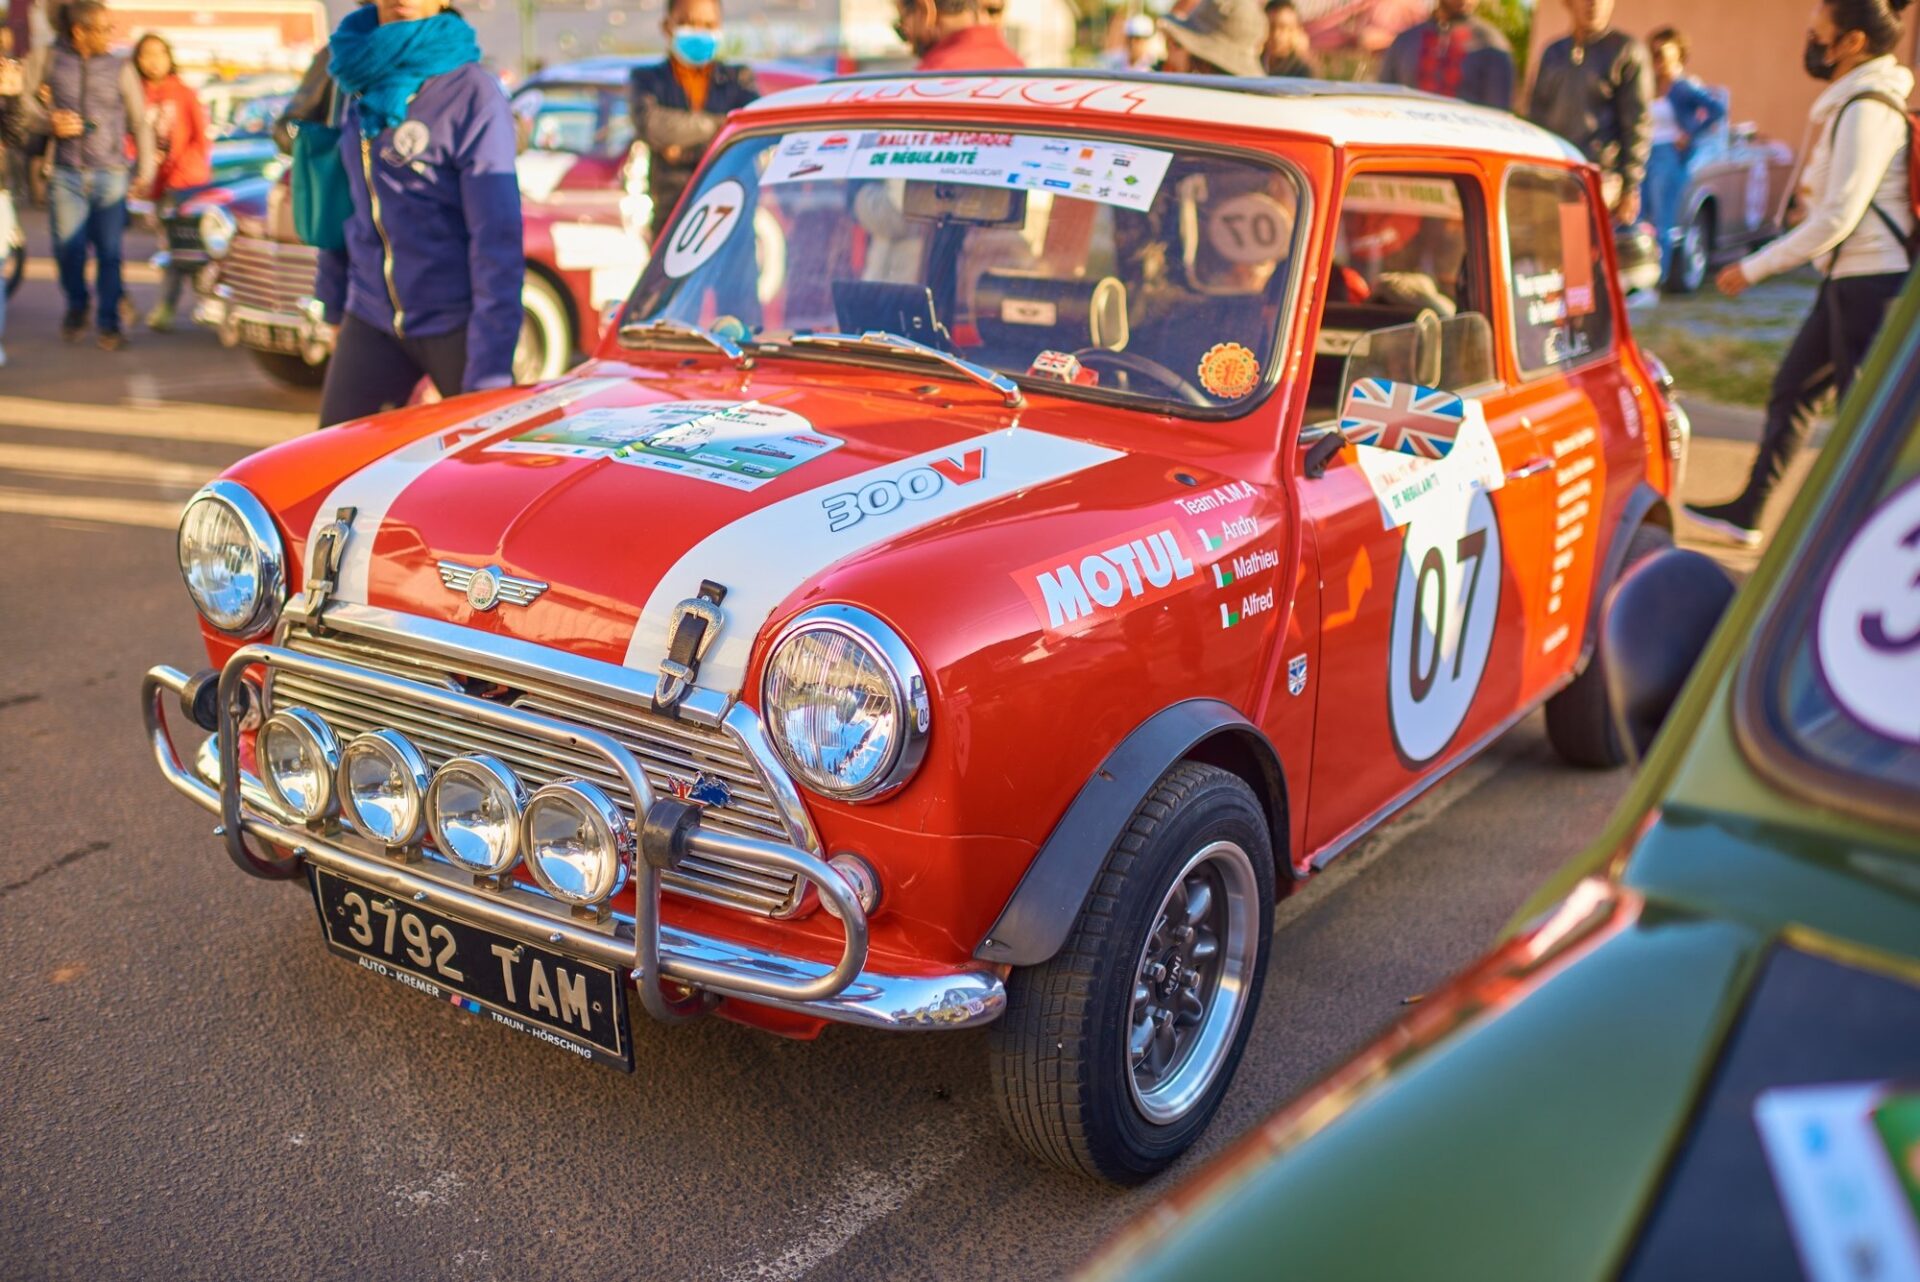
616, 494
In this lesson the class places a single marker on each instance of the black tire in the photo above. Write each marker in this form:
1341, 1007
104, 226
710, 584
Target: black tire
1063, 1067
1693, 256
1580, 718
545, 349
291, 371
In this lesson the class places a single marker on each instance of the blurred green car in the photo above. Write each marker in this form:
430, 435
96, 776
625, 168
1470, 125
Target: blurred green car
1696, 1054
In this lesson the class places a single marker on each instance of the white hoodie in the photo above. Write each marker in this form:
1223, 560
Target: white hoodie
1863, 163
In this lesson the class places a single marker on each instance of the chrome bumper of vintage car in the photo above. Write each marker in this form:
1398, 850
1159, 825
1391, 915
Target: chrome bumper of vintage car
640, 944
239, 325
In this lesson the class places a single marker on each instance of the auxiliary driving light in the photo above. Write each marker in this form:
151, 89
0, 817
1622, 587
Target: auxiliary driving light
298, 756
576, 841
383, 783
474, 807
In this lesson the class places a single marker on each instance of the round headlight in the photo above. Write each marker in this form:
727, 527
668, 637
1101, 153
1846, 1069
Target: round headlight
473, 809
216, 232
383, 785
231, 557
298, 755
845, 703
577, 842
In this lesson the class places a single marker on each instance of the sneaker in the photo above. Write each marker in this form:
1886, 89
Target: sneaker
112, 340
73, 325
1725, 520
160, 319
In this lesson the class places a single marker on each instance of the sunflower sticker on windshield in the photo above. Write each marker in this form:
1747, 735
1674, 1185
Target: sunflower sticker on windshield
1229, 371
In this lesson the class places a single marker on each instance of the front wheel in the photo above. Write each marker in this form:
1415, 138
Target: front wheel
1113, 1056
545, 349
1693, 256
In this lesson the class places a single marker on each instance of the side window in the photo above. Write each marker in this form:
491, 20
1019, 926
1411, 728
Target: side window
1406, 295
1562, 310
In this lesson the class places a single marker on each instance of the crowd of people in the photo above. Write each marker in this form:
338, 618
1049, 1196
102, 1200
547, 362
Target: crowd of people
414, 147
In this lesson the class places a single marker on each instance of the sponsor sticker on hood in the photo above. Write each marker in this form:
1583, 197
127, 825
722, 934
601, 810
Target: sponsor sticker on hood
738, 444
767, 555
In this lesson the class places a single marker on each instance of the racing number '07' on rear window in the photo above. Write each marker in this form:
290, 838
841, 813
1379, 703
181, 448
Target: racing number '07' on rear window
1562, 308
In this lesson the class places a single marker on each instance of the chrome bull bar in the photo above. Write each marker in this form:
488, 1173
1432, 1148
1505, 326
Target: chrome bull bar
652, 952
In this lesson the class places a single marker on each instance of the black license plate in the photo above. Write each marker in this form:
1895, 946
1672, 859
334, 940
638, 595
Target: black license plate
575, 1005
270, 338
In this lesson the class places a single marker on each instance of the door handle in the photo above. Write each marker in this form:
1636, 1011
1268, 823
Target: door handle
1530, 468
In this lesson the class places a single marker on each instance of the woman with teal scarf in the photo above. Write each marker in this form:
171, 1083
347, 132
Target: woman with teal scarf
428, 283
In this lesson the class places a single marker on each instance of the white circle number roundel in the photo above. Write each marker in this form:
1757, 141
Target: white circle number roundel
1444, 608
1868, 633
1249, 229
706, 225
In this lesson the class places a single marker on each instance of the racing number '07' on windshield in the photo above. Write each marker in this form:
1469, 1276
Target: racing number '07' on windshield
1142, 272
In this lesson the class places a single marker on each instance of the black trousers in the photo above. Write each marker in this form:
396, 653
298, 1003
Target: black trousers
1824, 356
371, 370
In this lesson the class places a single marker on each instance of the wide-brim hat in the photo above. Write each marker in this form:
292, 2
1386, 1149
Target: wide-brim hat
1227, 33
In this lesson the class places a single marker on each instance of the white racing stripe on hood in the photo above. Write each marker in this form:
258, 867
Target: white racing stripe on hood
374, 488
765, 556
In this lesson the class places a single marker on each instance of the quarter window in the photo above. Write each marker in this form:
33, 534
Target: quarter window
1562, 308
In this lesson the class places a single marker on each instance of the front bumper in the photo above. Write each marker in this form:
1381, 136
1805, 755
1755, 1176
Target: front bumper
218, 311
641, 945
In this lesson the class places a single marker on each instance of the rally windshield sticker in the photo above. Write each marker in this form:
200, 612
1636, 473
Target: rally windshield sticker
739, 444
1119, 174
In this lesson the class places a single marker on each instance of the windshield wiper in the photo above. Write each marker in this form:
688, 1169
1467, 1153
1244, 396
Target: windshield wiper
640, 333
894, 344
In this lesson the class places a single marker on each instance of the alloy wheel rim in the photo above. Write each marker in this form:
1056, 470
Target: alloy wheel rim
1191, 981
530, 353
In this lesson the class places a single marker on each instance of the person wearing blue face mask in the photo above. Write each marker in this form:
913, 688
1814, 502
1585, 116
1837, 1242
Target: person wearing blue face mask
679, 102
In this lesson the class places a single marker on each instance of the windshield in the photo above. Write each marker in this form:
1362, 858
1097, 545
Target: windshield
583, 119
1114, 269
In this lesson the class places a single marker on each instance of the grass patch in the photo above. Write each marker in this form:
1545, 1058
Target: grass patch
1735, 370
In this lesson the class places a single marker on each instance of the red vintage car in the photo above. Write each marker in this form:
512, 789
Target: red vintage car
1135, 490
584, 202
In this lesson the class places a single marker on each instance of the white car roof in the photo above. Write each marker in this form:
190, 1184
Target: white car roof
1340, 112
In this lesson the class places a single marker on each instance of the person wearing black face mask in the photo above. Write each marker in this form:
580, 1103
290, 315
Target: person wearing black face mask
1858, 227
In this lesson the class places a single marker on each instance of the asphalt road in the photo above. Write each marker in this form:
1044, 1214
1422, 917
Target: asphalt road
191, 1087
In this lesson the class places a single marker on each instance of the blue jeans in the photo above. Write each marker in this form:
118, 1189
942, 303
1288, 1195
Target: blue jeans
89, 207
1666, 184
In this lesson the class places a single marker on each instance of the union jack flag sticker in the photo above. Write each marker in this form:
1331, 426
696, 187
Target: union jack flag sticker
1404, 417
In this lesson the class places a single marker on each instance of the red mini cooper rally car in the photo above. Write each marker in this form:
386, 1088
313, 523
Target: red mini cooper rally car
1133, 492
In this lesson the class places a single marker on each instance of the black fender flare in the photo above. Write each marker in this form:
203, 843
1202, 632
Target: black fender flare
1644, 504
1043, 907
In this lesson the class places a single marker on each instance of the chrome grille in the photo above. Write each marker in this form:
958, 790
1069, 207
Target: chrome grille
267, 274
666, 749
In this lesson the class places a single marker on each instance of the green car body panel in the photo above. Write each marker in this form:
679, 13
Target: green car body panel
1525, 1119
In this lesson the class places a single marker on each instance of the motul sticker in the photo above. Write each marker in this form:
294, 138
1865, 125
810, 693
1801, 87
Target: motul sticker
1107, 579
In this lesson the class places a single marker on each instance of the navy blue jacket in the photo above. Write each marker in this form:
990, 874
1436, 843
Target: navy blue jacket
444, 251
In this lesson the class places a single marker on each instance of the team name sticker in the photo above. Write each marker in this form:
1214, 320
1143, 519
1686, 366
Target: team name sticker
705, 227
1867, 636
739, 444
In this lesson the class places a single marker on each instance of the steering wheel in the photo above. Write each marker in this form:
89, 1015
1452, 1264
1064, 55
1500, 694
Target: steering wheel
1134, 363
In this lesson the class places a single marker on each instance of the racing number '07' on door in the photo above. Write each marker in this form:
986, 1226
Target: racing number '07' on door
1434, 524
